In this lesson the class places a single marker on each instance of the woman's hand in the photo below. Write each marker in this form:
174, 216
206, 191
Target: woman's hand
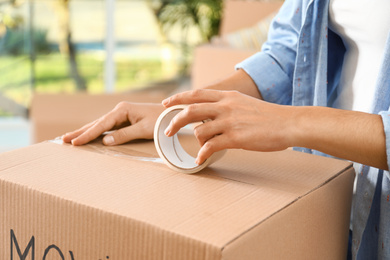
130, 120
237, 121
240, 121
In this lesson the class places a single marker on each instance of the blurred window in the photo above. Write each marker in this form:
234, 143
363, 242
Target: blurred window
59, 46
56, 46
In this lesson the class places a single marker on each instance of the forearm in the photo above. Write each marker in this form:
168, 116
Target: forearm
350, 135
239, 81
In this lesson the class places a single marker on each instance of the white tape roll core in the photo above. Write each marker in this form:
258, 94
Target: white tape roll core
170, 149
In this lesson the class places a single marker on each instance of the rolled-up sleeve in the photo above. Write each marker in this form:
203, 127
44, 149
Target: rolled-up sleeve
272, 69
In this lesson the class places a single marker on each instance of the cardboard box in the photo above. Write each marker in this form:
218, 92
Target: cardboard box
238, 14
95, 202
53, 115
214, 62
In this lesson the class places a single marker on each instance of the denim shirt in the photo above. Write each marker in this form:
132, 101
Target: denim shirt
300, 65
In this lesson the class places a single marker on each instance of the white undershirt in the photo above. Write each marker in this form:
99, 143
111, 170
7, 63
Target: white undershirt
363, 25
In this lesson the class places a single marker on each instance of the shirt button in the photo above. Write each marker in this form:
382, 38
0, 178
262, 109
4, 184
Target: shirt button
366, 194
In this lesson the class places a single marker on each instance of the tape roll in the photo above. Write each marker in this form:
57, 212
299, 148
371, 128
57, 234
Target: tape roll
170, 149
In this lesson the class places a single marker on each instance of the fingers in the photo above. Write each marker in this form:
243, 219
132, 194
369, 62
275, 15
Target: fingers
215, 144
94, 129
104, 124
123, 135
140, 117
194, 96
208, 130
191, 114
211, 137
68, 137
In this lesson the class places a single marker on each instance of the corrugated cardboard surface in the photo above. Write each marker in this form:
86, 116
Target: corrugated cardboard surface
96, 202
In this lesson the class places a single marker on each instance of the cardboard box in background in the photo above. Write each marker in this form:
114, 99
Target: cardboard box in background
238, 14
53, 115
214, 62
95, 202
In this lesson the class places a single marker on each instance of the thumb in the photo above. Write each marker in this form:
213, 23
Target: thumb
126, 134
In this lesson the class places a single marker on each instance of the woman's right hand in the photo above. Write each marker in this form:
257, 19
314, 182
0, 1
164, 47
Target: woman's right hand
129, 120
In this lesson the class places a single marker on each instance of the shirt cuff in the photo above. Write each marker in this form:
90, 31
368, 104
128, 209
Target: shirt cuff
273, 83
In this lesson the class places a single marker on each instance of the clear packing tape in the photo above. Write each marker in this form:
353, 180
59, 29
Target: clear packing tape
171, 151
114, 151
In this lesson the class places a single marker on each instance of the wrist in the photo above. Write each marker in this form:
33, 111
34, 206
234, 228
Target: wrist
301, 127
291, 127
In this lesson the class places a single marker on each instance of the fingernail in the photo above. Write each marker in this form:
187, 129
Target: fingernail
167, 131
73, 141
197, 161
165, 102
108, 140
